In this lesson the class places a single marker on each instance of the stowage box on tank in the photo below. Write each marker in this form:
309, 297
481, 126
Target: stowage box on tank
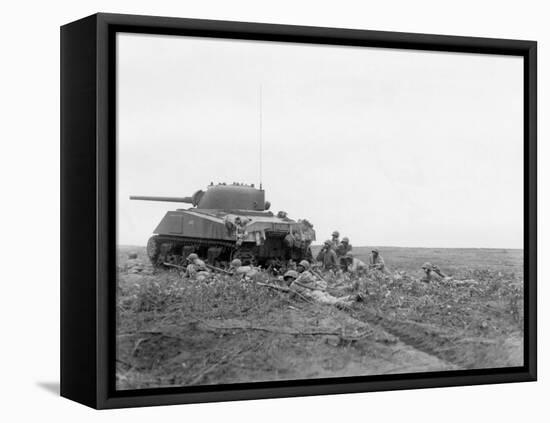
228, 222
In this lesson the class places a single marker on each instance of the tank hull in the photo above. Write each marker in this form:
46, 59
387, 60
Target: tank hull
220, 236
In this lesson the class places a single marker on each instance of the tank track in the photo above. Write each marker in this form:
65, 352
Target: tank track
167, 249
170, 249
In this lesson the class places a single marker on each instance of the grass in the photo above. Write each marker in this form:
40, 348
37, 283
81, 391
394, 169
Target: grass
453, 261
173, 331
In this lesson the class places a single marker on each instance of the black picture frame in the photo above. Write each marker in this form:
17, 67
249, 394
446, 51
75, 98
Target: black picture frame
88, 256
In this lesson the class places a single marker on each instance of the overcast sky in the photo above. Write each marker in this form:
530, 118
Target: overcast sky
390, 147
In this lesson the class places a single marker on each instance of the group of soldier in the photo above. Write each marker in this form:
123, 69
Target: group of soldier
302, 281
310, 285
305, 280
198, 269
336, 255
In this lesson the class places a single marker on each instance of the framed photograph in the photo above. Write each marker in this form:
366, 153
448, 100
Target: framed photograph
255, 210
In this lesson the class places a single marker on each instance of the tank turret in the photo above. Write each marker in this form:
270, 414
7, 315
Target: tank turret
221, 196
228, 221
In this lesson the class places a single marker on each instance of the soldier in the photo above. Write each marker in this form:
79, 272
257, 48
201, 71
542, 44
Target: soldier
293, 240
376, 262
307, 285
304, 273
290, 276
335, 239
354, 265
240, 230
432, 273
344, 247
196, 267
328, 257
237, 269
289, 239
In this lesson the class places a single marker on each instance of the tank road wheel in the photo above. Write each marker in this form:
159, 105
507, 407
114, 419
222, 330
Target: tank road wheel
173, 259
153, 250
245, 256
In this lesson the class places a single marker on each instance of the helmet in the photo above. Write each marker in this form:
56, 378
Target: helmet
291, 274
304, 264
236, 263
427, 266
192, 257
336, 233
349, 254
345, 239
328, 242
375, 250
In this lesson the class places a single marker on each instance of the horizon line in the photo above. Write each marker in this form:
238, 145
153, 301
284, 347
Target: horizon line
391, 246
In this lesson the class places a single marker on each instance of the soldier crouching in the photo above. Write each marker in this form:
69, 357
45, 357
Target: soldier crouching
353, 265
196, 268
236, 268
432, 273
376, 262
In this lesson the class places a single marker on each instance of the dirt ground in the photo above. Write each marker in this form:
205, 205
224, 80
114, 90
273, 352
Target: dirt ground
173, 331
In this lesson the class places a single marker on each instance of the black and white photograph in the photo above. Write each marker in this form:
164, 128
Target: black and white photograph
290, 211
241, 211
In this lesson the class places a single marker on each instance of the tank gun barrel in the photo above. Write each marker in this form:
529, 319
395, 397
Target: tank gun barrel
168, 199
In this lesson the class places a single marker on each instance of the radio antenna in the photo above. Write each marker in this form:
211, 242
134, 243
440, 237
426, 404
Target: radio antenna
260, 136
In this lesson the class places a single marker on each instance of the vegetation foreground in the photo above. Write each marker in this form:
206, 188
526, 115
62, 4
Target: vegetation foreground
173, 331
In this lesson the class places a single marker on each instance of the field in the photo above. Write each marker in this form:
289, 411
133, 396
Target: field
173, 331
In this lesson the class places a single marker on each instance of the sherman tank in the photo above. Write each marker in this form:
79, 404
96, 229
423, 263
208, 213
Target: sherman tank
228, 221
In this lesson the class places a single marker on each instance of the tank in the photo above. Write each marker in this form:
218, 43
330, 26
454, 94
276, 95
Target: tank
228, 221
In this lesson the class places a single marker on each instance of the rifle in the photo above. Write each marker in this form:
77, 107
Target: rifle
285, 289
217, 269
314, 271
174, 265
437, 270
